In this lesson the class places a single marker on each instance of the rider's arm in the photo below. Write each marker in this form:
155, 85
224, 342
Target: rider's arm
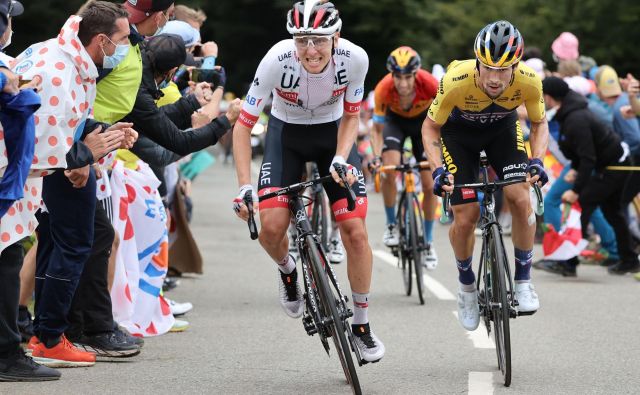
379, 114
431, 142
348, 129
539, 139
347, 133
264, 81
377, 138
534, 104
437, 115
242, 152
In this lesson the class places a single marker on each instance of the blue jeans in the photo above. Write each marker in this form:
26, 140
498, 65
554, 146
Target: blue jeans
553, 214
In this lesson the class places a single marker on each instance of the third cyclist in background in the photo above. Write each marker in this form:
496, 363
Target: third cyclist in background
402, 98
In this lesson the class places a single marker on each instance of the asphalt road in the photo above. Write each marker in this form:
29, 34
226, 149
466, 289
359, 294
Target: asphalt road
584, 339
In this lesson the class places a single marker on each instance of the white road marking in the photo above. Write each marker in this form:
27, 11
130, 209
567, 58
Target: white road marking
479, 336
434, 286
480, 383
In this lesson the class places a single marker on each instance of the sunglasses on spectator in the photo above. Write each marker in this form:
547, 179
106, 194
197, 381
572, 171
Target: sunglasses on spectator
317, 42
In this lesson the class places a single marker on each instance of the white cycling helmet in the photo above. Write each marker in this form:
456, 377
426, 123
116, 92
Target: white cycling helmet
317, 17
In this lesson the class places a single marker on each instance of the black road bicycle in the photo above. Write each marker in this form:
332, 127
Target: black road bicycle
410, 220
496, 295
326, 311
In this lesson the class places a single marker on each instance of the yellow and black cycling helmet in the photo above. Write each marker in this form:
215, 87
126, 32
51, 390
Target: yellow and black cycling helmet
403, 60
499, 45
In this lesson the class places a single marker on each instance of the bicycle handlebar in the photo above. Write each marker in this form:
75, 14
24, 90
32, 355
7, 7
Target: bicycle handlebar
424, 165
295, 188
492, 187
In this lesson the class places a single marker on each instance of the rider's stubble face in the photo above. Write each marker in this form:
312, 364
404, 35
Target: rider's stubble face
494, 81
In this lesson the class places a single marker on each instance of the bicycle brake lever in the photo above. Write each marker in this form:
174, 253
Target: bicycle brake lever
251, 222
351, 196
445, 200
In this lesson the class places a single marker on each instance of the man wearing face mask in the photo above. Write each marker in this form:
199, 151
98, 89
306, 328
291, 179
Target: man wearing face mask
592, 147
118, 85
68, 143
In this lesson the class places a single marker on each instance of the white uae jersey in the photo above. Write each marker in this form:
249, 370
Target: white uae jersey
303, 98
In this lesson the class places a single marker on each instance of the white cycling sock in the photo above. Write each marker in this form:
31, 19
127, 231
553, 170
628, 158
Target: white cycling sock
287, 264
360, 307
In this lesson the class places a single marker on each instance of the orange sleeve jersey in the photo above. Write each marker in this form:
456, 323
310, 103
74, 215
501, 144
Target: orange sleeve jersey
387, 99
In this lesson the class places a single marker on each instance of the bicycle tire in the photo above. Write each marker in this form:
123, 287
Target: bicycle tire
416, 242
403, 255
319, 221
500, 303
329, 302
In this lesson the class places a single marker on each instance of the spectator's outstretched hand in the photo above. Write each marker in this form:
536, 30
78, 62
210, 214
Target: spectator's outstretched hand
199, 119
35, 84
101, 144
209, 49
203, 93
234, 110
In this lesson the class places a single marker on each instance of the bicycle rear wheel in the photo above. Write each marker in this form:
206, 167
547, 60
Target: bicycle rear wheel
499, 302
329, 304
404, 254
416, 237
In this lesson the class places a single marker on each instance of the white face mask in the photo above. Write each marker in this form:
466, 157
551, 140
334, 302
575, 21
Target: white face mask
551, 113
5, 45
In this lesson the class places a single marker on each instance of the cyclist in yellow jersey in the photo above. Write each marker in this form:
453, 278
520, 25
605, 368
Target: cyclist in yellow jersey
474, 110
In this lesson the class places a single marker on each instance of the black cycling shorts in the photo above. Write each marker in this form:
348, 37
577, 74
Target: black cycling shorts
288, 147
397, 129
503, 142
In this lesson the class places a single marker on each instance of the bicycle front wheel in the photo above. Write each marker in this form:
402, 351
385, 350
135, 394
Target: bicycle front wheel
321, 219
416, 224
329, 305
499, 302
404, 254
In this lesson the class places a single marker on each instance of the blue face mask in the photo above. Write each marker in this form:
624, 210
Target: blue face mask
111, 61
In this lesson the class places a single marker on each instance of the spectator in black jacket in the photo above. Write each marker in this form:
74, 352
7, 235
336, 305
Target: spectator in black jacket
592, 147
170, 125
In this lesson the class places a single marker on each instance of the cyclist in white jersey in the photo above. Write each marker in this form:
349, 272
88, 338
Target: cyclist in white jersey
317, 82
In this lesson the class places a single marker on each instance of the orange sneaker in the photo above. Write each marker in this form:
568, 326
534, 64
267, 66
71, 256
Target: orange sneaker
63, 355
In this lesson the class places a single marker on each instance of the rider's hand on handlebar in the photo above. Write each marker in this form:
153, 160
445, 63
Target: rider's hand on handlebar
440, 186
351, 172
238, 203
536, 173
374, 164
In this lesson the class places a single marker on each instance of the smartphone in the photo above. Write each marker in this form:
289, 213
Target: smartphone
23, 82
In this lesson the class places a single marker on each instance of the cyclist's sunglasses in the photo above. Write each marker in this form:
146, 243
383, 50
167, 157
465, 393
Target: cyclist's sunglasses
312, 41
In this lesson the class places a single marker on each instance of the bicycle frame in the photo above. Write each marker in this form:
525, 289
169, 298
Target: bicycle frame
410, 218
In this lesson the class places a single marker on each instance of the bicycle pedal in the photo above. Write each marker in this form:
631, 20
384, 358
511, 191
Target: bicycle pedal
524, 313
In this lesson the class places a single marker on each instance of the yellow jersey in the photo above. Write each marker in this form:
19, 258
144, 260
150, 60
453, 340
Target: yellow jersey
461, 100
